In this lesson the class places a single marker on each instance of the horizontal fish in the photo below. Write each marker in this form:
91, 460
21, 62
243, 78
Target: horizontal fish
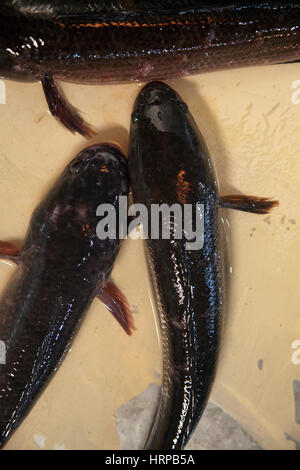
169, 164
125, 40
62, 267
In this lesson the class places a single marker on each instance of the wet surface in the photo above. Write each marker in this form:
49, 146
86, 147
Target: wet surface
217, 430
296, 388
254, 152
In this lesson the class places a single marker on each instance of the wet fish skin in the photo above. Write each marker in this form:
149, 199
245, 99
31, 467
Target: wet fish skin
63, 266
92, 42
127, 40
169, 163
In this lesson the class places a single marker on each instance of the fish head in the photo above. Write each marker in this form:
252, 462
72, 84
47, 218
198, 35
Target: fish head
168, 157
70, 213
159, 107
159, 137
99, 172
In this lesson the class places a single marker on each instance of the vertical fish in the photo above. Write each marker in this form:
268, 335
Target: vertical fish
169, 164
62, 267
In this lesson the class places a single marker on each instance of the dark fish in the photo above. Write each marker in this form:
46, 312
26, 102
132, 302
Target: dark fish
169, 164
124, 40
63, 266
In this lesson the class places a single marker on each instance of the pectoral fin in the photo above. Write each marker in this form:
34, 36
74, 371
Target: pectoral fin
117, 304
254, 204
62, 110
10, 252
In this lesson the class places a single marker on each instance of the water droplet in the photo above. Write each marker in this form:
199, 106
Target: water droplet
183, 107
135, 116
76, 166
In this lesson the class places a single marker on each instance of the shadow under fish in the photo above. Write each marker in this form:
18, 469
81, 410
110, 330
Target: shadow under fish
63, 266
169, 165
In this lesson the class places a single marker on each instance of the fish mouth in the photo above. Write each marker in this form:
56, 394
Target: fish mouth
115, 145
159, 106
97, 150
152, 99
156, 93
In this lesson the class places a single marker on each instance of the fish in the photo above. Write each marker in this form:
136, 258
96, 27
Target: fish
169, 165
136, 40
62, 266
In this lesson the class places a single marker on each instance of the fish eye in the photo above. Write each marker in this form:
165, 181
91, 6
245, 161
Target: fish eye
183, 106
76, 166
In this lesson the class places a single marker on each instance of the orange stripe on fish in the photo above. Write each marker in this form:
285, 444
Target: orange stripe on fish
183, 187
135, 24
104, 169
